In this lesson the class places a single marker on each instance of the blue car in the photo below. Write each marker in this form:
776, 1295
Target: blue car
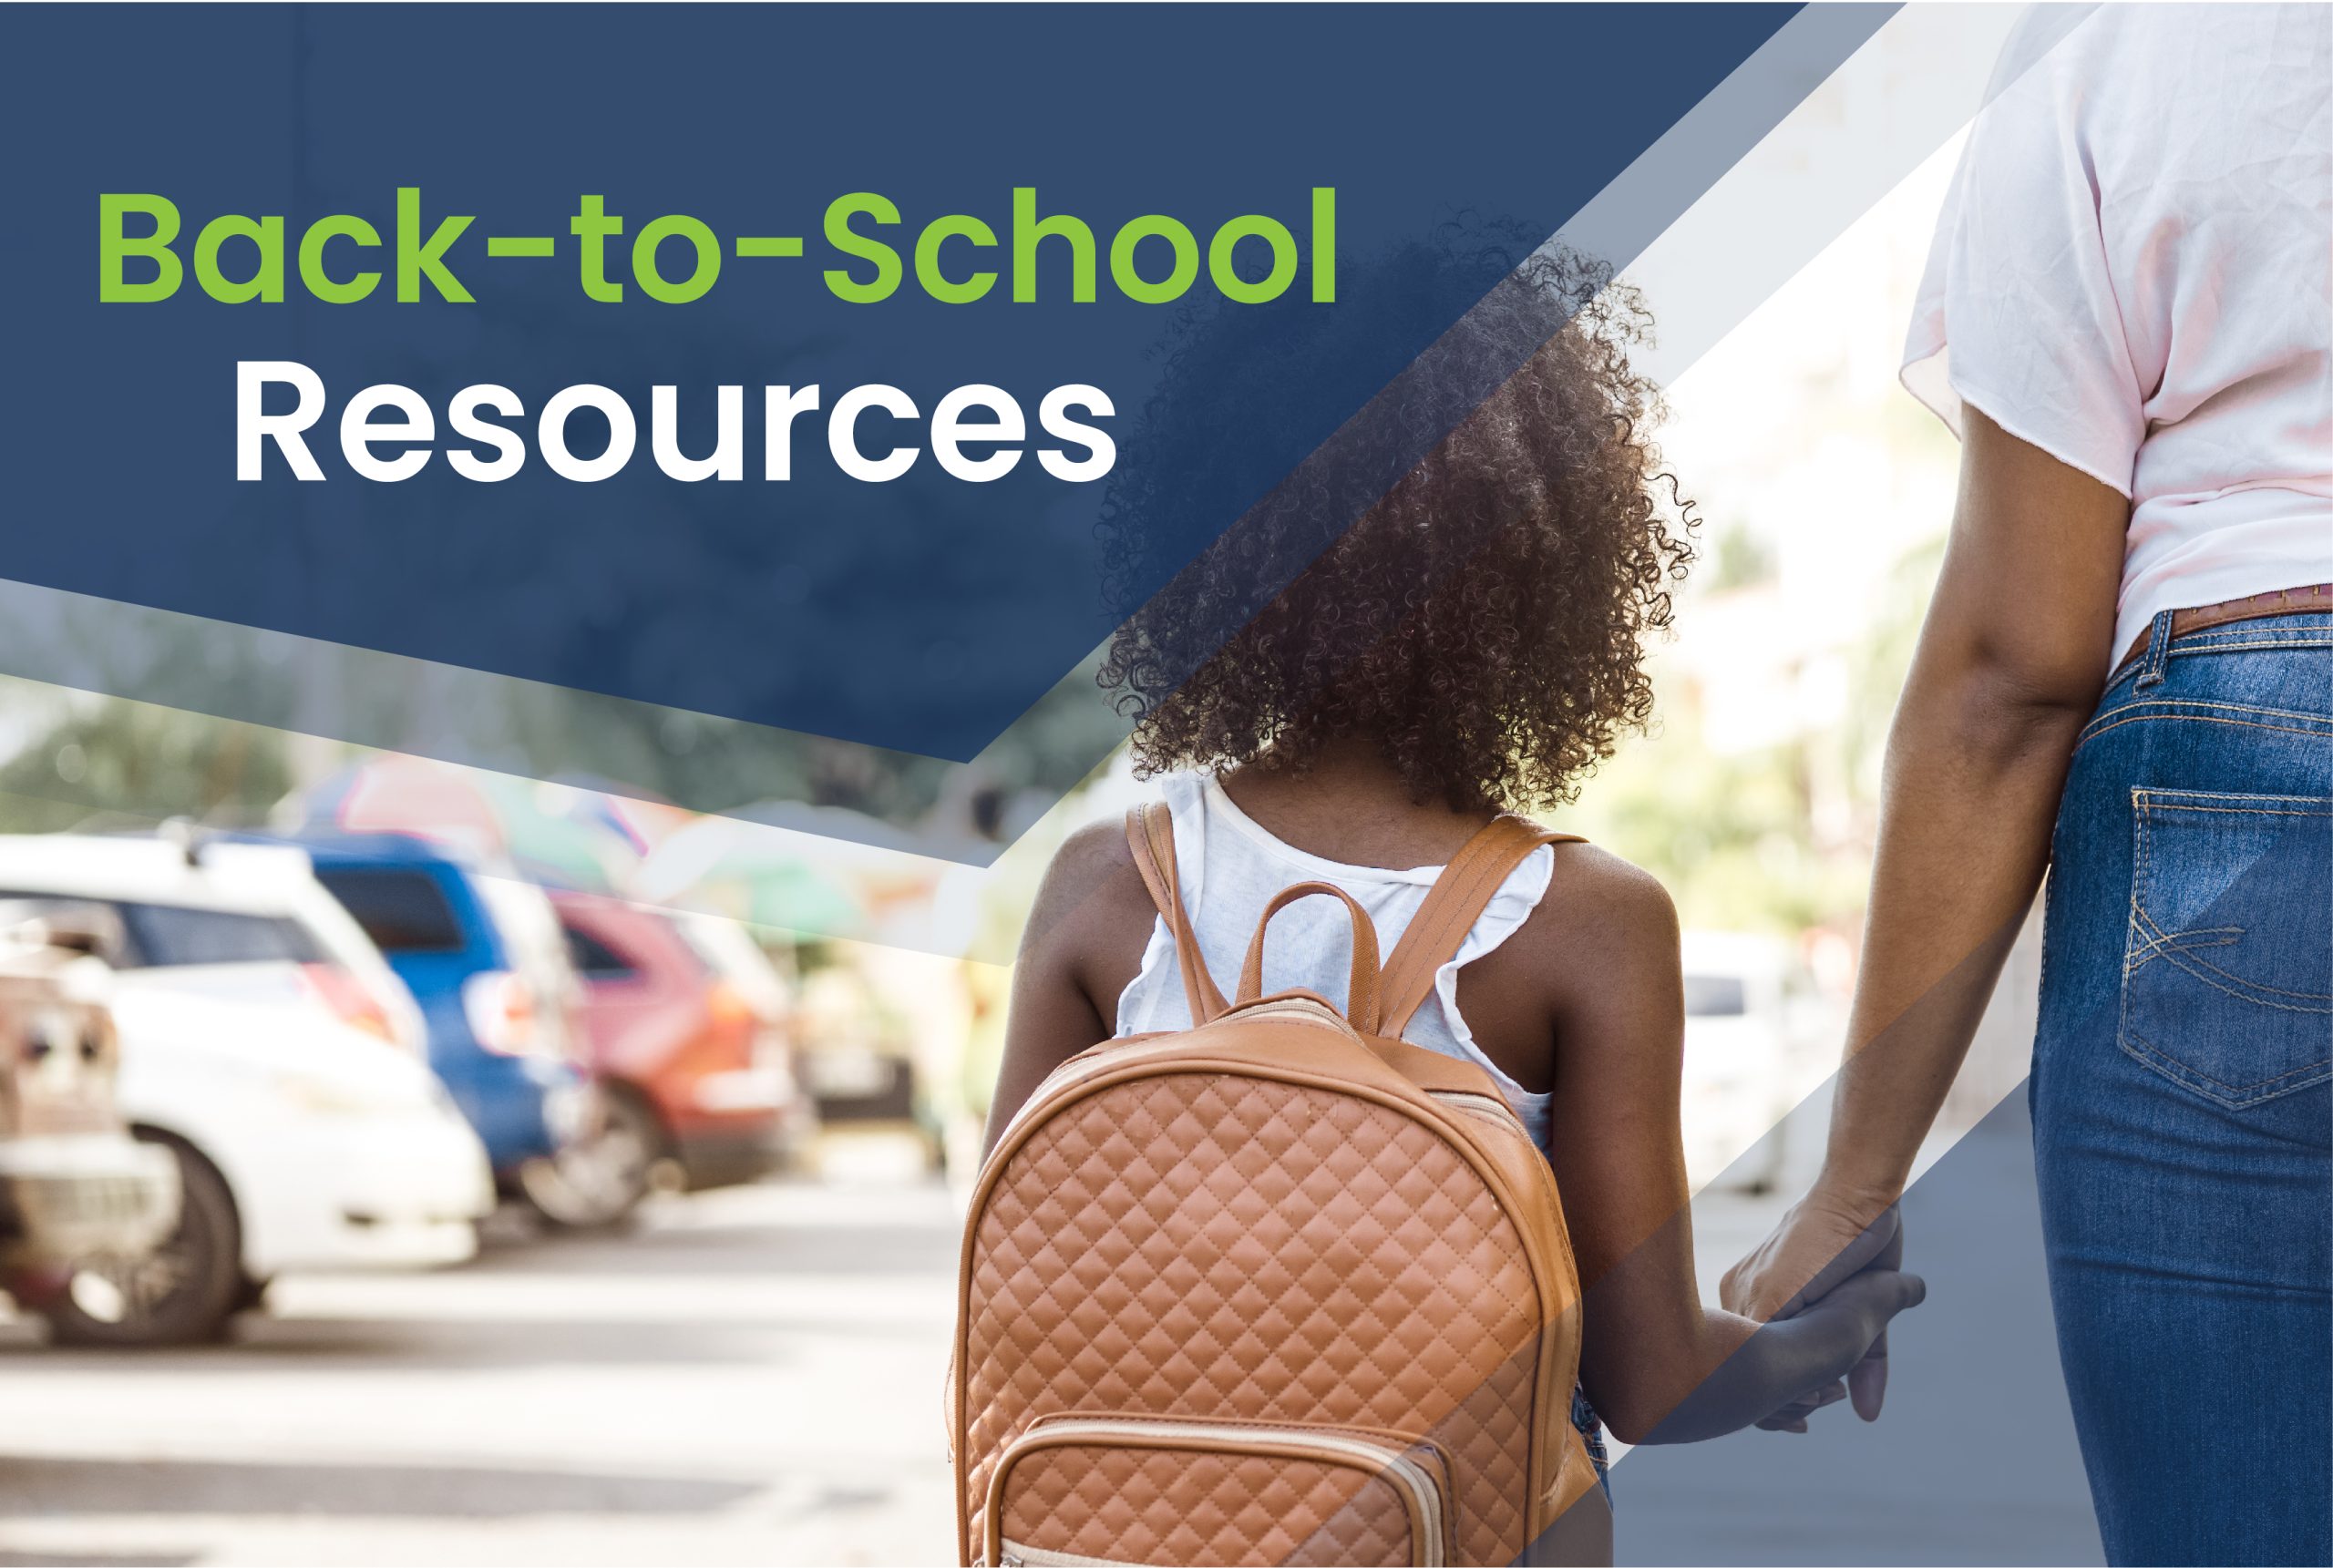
482, 953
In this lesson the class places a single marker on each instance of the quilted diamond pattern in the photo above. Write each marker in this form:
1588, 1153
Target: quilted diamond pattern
1148, 1505
1213, 1246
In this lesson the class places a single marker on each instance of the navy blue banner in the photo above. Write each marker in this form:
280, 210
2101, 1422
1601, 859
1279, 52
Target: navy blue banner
1214, 156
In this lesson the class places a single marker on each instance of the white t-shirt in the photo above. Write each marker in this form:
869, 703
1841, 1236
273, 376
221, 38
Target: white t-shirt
2131, 273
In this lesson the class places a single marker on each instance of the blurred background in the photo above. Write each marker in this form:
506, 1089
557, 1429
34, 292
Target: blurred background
405, 1160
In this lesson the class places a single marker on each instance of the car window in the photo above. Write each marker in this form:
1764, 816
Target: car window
166, 935
594, 959
403, 911
1715, 996
103, 919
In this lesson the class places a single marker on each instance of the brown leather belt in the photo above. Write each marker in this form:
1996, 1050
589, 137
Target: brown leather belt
2277, 601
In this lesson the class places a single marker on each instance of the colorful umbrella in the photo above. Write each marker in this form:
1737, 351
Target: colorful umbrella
550, 831
750, 872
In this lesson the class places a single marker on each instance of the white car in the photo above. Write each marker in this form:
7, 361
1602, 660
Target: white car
300, 1146
303, 1142
248, 921
1750, 1026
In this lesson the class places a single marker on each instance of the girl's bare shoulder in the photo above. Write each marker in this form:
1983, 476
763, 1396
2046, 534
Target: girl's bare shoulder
1604, 922
1594, 886
1091, 914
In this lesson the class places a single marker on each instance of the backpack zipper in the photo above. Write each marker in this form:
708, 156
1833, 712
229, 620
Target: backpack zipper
1482, 1108
1310, 1010
1404, 1473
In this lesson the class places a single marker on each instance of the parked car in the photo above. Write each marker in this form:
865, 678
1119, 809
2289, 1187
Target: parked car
299, 1145
741, 961
1748, 1020
857, 1061
686, 1031
240, 921
74, 1186
484, 956
299, 1141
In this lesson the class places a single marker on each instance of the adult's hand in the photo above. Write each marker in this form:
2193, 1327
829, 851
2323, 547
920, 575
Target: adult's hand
1824, 1241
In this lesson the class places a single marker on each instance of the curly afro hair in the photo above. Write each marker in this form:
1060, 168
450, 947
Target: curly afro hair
1483, 623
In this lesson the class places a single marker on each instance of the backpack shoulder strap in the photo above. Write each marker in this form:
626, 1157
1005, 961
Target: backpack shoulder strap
1453, 904
1150, 833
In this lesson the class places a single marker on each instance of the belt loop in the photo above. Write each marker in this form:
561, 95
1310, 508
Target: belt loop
2158, 652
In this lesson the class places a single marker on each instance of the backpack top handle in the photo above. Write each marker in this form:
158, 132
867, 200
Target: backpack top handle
1360, 984
1453, 904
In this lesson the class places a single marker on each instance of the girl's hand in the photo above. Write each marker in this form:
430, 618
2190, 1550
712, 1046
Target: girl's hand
1809, 1350
1822, 1243
1791, 1418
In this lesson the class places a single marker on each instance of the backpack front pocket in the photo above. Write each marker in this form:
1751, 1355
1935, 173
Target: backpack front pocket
2228, 973
1105, 1491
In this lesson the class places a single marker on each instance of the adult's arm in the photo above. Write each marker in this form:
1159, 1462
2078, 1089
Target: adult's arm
2009, 665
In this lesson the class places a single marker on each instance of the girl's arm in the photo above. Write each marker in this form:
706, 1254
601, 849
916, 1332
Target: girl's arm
1658, 1365
1090, 912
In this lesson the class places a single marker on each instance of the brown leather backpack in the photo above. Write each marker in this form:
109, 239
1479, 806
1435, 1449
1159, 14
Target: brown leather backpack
1279, 1288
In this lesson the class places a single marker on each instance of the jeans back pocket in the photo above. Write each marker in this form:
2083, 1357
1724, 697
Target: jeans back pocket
2227, 975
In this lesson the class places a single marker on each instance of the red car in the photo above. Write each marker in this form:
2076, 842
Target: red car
685, 1024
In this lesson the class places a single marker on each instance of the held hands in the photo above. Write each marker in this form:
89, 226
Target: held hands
1825, 1263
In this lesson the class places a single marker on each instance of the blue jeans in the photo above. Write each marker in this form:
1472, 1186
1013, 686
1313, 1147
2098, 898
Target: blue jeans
2180, 1098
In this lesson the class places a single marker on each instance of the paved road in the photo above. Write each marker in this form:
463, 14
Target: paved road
751, 1376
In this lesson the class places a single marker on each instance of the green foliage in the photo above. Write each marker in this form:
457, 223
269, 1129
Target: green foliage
103, 762
1776, 838
1739, 559
1730, 836
1886, 658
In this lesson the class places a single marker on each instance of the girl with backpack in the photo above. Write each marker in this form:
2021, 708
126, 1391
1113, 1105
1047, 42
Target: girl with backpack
1228, 1249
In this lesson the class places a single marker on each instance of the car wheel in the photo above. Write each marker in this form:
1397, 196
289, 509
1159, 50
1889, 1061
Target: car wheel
251, 1295
181, 1293
598, 1180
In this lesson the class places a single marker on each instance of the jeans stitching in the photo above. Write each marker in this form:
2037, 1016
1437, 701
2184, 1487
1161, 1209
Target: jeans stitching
2204, 719
2226, 707
2231, 639
2148, 801
2138, 880
2155, 662
2177, 799
2196, 970
2241, 811
2135, 1046
2162, 944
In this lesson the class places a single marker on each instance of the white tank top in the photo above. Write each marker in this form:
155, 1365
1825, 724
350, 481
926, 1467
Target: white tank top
1230, 868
